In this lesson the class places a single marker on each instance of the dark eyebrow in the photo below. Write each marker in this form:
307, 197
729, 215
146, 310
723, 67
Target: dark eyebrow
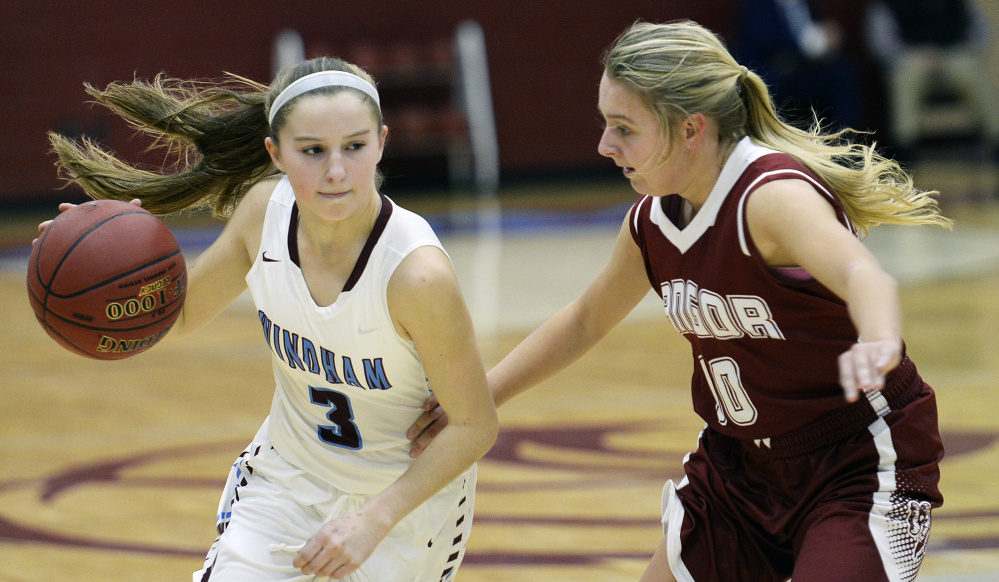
358, 133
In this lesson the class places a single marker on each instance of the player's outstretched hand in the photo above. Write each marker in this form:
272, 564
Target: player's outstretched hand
342, 545
865, 365
429, 425
63, 208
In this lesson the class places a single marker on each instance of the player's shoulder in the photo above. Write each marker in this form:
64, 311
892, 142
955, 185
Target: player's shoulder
424, 268
260, 193
405, 230
423, 289
791, 198
253, 204
247, 219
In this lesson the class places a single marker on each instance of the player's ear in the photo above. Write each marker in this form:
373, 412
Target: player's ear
382, 138
692, 130
274, 151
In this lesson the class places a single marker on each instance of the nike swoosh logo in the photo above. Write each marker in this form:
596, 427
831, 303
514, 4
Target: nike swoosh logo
270, 260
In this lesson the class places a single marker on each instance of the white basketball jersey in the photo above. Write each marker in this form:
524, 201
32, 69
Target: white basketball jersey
348, 387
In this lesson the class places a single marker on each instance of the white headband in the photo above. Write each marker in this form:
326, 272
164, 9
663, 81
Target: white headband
321, 79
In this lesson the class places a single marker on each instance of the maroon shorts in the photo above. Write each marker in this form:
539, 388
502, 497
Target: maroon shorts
857, 510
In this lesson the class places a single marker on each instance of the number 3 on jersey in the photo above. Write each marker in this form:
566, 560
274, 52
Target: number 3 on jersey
343, 432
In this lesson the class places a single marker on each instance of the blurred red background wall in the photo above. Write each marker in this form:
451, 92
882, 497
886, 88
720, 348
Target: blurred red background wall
543, 60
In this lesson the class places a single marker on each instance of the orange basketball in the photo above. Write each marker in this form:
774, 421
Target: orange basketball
107, 279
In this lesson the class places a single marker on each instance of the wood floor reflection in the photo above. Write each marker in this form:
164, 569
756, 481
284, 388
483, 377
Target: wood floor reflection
112, 470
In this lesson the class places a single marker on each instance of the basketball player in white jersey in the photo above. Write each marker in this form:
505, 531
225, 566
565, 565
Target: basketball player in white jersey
361, 311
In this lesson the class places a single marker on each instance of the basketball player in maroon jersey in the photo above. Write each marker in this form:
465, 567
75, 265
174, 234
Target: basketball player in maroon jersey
819, 458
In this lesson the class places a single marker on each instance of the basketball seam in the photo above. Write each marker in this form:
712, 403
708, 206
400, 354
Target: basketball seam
112, 279
41, 289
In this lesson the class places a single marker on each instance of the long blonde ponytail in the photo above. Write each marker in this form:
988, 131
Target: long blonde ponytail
681, 68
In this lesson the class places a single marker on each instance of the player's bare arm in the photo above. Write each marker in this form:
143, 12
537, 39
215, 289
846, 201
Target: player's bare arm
218, 276
561, 340
427, 306
793, 225
578, 326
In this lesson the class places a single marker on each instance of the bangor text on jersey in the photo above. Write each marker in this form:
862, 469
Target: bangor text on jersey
707, 314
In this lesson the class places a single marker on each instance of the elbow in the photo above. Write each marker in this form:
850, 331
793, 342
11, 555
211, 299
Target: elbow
490, 431
475, 433
587, 327
486, 432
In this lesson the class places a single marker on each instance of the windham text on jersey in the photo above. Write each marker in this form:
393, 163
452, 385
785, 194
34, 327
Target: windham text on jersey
302, 353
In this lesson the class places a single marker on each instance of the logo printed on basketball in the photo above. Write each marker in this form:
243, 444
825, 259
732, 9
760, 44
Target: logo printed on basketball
150, 298
107, 279
110, 345
161, 284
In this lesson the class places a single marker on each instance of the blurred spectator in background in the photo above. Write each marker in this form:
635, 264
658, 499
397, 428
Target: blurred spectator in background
932, 49
800, 57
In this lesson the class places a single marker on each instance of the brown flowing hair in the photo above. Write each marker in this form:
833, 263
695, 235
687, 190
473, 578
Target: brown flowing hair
212, 133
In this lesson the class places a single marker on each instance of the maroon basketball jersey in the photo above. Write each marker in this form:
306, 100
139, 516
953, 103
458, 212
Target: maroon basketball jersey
765, 341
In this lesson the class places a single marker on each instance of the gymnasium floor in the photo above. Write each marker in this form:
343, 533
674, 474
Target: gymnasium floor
112, 471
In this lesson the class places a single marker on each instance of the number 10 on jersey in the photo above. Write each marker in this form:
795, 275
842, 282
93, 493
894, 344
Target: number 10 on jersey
731, 400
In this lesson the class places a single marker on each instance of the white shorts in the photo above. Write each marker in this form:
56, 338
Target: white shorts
269, 509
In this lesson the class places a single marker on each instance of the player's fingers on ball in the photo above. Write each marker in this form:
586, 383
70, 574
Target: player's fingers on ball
135, 201
63, 207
